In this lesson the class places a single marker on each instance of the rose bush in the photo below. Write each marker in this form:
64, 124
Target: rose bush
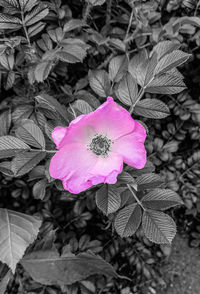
59, 62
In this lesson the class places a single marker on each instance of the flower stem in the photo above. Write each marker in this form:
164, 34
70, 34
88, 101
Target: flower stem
129, 24
47, 151
140, 94
86, 12
25, 29
134, 195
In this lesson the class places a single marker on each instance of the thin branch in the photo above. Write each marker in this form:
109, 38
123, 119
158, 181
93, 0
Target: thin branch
47, 151
134, 195
25, 29
188, 169
86, 12
108, 12
140, 94
129, 24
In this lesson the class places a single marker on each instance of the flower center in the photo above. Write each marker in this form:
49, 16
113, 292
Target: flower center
100, 145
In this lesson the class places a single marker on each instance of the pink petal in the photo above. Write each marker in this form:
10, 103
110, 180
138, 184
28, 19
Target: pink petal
79, 133
78, 167
139, 132
110, 119
131, 147
108, 167
70, 160
76, 185
58, 134
105, 170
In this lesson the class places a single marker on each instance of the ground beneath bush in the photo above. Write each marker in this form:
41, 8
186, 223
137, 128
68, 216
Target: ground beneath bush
182, 270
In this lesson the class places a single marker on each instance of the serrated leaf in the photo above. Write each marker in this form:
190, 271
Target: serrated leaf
165, 47
9, 146
73, 24
49, 268
37, 172
148, 181
72, 54
96, 2
175, 73
4, 61
158, 227
5, 122
99, 82
165, 84
128, 220
10, 80
56, 35
171, 146
117, 68
150, 71
74, 41
27, 5
42, 70
38, 13
31, 134
9, 22
82, 106
36, 28
26, 161
127, 90
108, 199
126, 178
152, 108
170, 61
192, 20
22, 112
39, 189
161, 199
17, 232
88, 97
138, 67
45, 43
5, 168
149, 168
53, 104
11, 6
117, 43
126, 198
4, 278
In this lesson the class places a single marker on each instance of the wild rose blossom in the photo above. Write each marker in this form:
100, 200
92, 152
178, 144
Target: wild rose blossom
93, 147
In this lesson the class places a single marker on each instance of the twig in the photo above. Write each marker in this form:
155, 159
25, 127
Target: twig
104, 64
25, 29
86, 12
134, 195
47, 151
188, 169
133, 35
129, 24
140, 94
108, 12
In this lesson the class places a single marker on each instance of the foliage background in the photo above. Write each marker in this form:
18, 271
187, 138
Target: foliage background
54, 54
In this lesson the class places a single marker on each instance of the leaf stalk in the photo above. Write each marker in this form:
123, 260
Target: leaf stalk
136, 198
140, 94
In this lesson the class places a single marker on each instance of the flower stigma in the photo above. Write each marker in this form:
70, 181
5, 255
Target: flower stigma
100, 145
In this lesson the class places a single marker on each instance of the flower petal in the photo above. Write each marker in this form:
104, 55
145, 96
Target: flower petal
110, 119
58, 134
71, 159
108, 167
131, 147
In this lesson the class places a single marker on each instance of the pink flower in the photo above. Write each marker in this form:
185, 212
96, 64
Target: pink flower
93, 147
